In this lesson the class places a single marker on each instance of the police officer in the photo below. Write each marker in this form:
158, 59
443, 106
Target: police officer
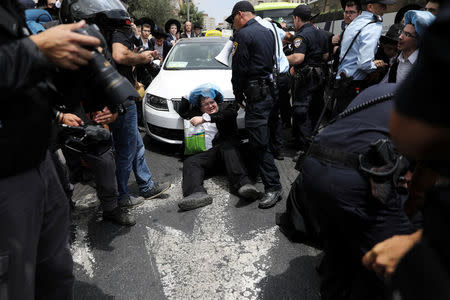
307, 60
253, 61
35, 261
333, 202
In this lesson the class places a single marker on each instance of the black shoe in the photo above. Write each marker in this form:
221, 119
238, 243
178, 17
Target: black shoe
130, 202
158, 189
194, 201
249, 191
119, 216
270, 199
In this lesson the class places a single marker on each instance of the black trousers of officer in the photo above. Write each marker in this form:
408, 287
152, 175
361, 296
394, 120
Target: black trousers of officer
306, 109
256, 122
284, 97
335, 202
35, 261
275, 135
223, 156
103, 167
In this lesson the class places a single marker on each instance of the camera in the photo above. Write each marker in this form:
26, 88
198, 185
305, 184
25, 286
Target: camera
116, 88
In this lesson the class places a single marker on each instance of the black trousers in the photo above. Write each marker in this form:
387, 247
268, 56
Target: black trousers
275, 137
104, 169
223, 156
306, 109
256, 122
35, 261
345, 93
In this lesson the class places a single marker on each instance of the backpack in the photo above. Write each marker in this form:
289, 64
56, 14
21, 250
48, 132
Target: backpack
36, 19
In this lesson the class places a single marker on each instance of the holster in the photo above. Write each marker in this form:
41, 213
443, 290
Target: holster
257, 90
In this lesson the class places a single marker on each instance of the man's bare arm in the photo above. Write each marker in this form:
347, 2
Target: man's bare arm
296, 58
124, 56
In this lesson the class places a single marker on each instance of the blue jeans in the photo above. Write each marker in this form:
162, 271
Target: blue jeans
130, 153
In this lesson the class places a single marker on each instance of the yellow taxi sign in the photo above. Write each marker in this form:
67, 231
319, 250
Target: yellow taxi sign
213, 33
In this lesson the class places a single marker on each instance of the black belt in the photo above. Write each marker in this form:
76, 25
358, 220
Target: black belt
346, 159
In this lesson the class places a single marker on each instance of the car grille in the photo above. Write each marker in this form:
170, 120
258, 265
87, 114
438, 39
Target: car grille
176, 104
171, 134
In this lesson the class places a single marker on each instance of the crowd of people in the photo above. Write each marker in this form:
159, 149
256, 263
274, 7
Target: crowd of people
366, 112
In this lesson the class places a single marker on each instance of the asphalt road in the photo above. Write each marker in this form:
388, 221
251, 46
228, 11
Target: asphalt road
227, 250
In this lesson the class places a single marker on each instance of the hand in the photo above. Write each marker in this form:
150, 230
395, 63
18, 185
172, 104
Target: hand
385, 256
197, 120
72, 120
146, 56
135, 30
105, 116
65, 48
173, 42
380, 63
335, 39
154, 53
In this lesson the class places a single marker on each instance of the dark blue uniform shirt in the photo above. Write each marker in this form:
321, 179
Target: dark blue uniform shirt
253, 53
355, 132
309, 41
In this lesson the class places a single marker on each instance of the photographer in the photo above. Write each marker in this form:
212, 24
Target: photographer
34, 217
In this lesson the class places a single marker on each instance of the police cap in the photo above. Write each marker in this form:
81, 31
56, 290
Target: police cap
240, 6
303, 12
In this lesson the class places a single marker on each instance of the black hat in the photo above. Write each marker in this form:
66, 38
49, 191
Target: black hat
303, 12
392, 34
145, 20
158, 33
197, 25
170, 22
401, 12
385, 2
357, 3
240, 6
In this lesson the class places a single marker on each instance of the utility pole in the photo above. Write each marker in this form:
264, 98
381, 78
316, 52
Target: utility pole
188, 10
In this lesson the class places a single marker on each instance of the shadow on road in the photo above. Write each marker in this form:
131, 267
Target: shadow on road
85, 291
299, 281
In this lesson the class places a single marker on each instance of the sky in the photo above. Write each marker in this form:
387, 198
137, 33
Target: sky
218, 9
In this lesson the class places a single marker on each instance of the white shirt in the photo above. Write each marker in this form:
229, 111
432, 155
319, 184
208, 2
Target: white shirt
210, 131
405, 65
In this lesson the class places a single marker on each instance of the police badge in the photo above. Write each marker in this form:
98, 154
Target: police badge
235, 45
297, 42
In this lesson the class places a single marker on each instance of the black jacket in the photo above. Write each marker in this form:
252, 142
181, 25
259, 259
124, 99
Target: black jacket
225, 120
25, 115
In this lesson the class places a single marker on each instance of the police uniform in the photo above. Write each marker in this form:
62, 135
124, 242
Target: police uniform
35, 261
251, 78
331, 200
307, 83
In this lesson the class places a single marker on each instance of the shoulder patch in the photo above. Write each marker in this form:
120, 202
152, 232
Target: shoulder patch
297, 42
235, 45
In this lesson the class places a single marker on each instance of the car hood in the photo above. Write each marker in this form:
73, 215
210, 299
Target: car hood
177, 83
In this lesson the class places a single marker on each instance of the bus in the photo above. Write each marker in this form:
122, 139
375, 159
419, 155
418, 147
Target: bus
277, 11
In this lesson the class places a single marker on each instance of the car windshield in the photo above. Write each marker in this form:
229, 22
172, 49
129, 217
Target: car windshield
195, 56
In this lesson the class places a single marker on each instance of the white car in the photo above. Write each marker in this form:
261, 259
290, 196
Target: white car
189, 64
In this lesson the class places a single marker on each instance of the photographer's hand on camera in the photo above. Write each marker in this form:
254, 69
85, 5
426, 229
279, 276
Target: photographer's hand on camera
65, 48
105, 116
71, 120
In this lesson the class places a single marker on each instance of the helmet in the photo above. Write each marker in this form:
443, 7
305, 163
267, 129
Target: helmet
106, 14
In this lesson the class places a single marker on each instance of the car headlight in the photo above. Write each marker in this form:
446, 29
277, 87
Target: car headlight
156, 102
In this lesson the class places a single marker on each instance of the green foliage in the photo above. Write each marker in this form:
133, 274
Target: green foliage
158, 10
195, 16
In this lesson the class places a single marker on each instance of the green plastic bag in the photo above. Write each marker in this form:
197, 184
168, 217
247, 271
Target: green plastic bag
194, 138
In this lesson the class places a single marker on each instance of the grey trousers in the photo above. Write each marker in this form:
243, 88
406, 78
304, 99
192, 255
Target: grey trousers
35, 261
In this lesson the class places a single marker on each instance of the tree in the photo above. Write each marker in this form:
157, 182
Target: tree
195, 16
158, 10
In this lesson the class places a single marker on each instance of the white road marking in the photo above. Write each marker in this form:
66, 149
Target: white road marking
211, 262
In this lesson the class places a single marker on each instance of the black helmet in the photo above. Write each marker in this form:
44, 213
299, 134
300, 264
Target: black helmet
109, 14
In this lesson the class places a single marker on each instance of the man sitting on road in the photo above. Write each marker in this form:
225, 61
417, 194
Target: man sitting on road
221, 141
